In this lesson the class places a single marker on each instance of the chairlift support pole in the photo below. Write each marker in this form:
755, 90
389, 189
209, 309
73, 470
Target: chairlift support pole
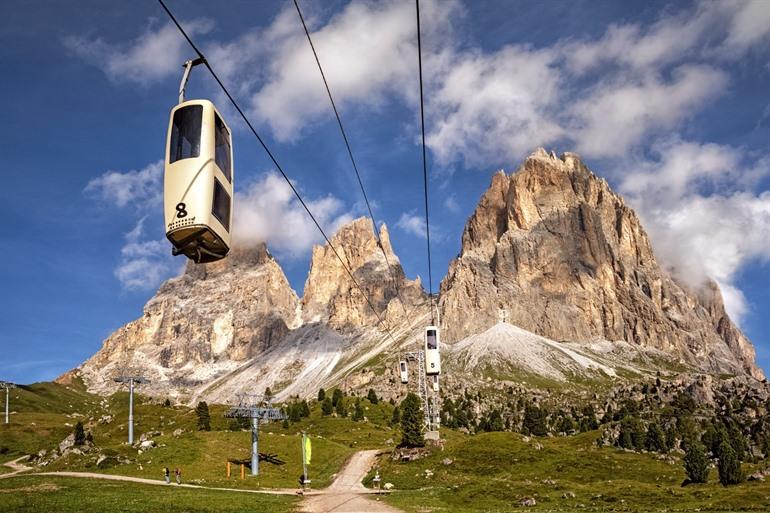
257, 409
7, 386
131, 380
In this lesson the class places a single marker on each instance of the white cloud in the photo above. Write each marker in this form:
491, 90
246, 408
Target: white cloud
367, 51
489, 107
139, 188
749, 26
697, 232
412, 224
155, 55
144, 263
269, 212
617, 116
450, 203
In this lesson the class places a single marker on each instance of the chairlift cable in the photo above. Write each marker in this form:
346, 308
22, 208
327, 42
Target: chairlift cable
424, 160
352, 160
277, 165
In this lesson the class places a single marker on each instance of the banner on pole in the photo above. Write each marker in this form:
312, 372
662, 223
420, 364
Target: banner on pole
307, 452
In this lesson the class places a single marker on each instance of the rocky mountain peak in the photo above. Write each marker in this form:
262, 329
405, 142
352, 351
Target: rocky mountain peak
552, 249
330, 295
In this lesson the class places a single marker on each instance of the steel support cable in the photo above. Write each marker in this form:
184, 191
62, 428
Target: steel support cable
277, 165
353, 161
424, 161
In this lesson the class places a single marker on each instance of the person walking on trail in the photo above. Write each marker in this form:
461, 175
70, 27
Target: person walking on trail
178, 473
167, 475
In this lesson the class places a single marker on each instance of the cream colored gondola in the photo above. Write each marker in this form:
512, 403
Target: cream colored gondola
435, 382
198, 180
403, 371
432, 358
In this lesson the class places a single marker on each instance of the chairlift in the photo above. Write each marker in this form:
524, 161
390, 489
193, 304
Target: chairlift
432, 358
198, 179
404, 373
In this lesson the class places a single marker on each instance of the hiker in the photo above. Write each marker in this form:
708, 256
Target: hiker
178, 473
167, 475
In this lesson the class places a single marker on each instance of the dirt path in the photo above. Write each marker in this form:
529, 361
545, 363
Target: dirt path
346, 494
16, 466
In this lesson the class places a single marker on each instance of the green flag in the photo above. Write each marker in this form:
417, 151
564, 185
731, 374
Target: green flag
308, 450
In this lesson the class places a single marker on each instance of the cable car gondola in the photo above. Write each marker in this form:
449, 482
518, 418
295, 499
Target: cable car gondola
402, 369
432, 358
198, 179
435, 382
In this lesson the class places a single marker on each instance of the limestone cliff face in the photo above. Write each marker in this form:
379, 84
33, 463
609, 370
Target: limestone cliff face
205, 322
332, 298
554, 250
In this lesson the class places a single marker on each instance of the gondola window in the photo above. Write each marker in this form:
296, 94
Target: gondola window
222, 150
186, 133
221, 206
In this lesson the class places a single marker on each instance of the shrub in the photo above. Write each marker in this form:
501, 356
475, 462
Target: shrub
396, 418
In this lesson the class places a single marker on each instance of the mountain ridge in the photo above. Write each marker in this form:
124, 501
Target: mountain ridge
550, 248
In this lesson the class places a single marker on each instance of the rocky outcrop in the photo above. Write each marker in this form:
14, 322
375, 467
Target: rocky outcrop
332, 298
552, 249
205, 322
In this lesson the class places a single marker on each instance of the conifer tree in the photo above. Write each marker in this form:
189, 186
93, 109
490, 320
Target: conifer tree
696, 463
80, 434
372, 396
411, 422
327, 407
358, 411
396, 418
656, 439
534, 421
204, 419
321, 395
729, 466
336, 397
341, 408
304, 409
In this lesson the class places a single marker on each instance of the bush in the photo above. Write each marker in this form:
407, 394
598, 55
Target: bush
696, 463
729, 466
411, 422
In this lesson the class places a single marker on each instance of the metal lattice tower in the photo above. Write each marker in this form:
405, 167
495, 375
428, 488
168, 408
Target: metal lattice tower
131, 379
258, 409
429, 407
7, 386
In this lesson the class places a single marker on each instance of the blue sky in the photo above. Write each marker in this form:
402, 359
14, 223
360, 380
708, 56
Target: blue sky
668, 101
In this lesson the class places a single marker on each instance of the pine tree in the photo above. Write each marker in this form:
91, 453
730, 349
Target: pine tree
89, 437
321, 395
80, 434
341, 408
372, 396
204, 419
327, 407
696, 463
656, 439
396, 418
411, 422
268, 394
304, 409
566, 425
285, 423
336, 397
358, 411
295, 415
729, 466
534, 421
167, 403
